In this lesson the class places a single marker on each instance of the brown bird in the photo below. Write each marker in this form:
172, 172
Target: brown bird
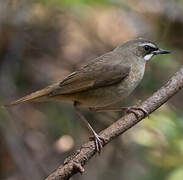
103, 81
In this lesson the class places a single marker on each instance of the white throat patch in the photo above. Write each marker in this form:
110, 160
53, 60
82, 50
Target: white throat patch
148, 57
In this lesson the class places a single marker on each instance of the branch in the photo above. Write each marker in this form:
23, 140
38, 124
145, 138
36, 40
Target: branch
74, 164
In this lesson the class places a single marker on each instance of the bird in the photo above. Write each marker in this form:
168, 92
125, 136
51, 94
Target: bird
104, 81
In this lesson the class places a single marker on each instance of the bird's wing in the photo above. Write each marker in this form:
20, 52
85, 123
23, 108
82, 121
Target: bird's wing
92, 76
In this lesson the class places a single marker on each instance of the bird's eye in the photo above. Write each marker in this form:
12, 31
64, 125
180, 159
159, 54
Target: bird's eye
147, 48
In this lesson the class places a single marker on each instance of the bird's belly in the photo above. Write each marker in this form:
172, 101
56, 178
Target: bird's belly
102, 96
98, 98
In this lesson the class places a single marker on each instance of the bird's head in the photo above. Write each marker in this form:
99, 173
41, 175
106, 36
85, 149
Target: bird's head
142, 48
146, 49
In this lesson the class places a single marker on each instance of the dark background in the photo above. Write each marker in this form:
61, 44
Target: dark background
41, 42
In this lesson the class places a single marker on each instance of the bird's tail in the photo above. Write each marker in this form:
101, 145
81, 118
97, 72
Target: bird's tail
41, 95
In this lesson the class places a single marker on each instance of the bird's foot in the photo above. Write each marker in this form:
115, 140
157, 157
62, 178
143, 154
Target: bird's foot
134, 110
131, 109
98, 142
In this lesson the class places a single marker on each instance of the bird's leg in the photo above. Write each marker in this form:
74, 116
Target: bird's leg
98, 140
130, 109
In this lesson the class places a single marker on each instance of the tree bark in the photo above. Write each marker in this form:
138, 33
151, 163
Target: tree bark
74, 163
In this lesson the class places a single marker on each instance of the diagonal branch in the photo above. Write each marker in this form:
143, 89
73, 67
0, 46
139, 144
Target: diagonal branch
74, 164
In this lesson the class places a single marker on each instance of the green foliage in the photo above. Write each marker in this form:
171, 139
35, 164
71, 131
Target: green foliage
162, 138
76, 2
60, 122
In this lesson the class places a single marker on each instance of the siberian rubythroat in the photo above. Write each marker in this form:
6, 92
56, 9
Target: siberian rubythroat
103, 81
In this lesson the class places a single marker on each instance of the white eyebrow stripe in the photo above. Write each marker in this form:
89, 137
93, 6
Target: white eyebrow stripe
148, 44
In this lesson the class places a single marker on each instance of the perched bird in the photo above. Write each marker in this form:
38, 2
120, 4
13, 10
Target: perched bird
103, 81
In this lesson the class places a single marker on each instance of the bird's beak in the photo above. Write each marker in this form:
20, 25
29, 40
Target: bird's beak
161, 51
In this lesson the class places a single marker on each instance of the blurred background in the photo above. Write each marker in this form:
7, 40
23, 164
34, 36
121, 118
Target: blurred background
41, 42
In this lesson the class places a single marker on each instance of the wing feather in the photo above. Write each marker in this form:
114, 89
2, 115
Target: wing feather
91, 78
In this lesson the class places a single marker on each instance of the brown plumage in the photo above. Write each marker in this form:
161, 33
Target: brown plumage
87, 79
104, 81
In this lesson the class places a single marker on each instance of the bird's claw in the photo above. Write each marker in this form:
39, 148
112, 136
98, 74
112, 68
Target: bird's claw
135, 109
98, 142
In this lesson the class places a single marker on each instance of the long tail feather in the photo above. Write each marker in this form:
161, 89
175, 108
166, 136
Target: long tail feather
36, 96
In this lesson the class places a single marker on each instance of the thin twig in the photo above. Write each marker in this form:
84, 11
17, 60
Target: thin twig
74, 164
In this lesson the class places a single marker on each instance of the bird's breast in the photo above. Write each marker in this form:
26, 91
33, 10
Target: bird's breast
133, 79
